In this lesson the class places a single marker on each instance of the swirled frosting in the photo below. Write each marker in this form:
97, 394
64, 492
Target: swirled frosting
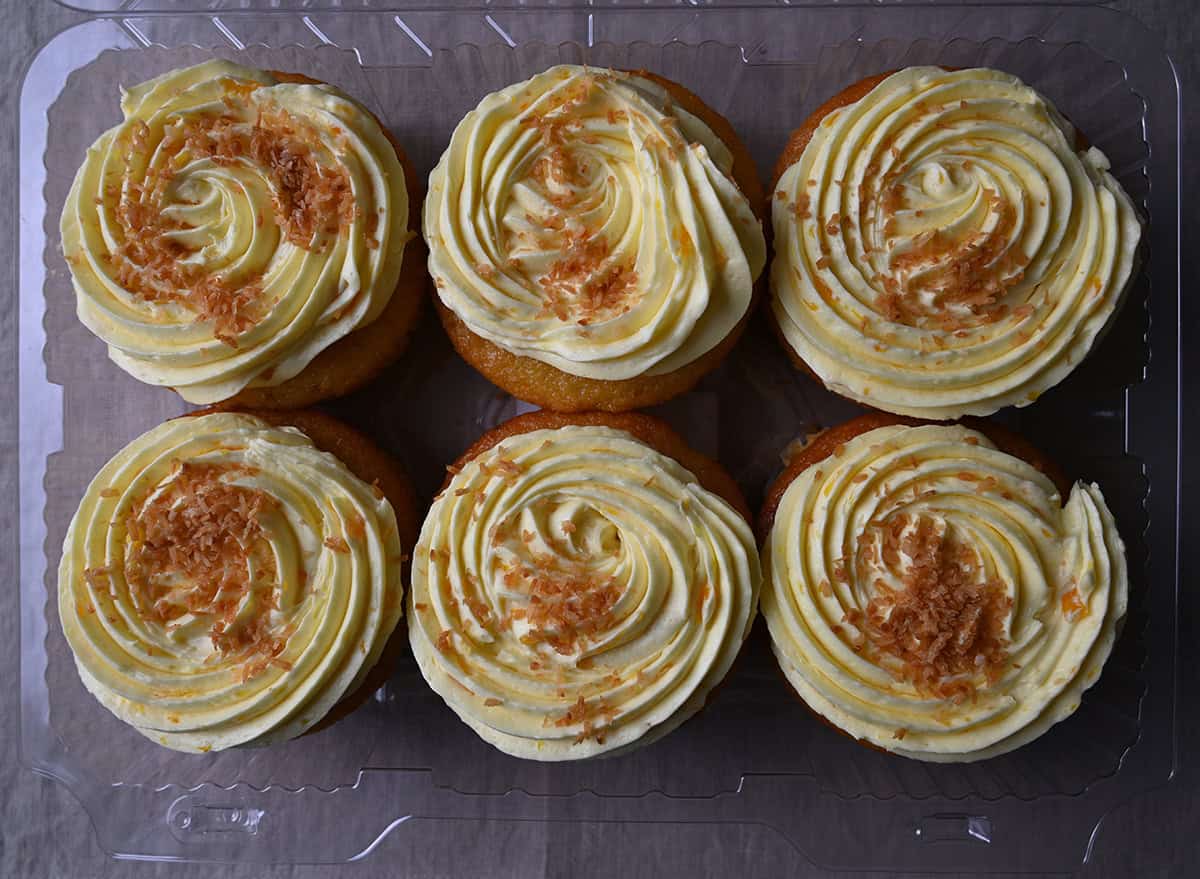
932, 595
232, 227
943, 249
576, 592
583, 219
226, 583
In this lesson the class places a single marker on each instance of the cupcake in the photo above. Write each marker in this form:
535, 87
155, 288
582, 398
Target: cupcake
594, 238
243, 236
581, 584
228, 581
945, 243
929, 591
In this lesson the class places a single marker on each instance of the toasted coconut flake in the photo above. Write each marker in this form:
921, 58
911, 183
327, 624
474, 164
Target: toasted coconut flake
480, 611
946, 626
986, 484
507, 467
97, 578
586, 713
1073, 606
337, 544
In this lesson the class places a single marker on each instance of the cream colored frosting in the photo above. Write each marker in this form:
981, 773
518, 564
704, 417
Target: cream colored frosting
576, 593
324, 593
943, 248
583, 219
144, 181
1060, 573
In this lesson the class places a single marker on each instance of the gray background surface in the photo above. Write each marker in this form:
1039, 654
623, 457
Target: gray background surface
44, 832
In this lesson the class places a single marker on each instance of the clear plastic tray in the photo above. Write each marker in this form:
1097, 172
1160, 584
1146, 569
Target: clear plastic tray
755, 755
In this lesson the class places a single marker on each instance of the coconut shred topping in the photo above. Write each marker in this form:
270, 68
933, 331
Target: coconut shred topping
943, 248
226, 583
931, 594
232, 227
583, 219
575, 591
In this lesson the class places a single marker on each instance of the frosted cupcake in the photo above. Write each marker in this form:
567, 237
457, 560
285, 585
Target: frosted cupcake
945, 243
226, 582
245, 236
938, 591
581, 585
593, 237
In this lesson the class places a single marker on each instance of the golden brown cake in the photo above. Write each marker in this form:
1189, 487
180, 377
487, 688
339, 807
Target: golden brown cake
246, 237
594, 238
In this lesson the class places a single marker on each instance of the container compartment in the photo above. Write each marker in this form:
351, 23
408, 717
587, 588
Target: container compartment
755, 755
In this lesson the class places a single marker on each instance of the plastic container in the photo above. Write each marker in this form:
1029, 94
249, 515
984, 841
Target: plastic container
756, 755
